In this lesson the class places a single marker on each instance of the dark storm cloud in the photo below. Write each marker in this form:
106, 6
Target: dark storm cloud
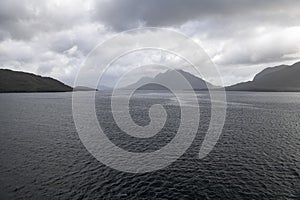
121, 15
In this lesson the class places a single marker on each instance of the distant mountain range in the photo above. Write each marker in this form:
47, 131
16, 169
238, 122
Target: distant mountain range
84, 88
14, 81
283, 78
169, 78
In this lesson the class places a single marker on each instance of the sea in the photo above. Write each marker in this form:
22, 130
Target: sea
257, 155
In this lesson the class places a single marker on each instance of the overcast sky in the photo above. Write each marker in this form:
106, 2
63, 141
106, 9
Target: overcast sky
242, 37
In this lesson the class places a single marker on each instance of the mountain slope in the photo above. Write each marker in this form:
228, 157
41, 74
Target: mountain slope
15, 81
84, 88
169, 78
283, 78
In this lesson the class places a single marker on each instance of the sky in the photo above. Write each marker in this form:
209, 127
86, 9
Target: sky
242, 37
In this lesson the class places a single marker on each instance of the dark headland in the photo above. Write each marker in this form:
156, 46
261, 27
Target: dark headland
283, 78
16, 81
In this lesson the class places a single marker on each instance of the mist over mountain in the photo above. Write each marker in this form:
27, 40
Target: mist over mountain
283, 78
170, 77
15, 81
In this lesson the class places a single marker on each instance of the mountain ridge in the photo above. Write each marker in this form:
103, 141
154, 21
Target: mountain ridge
17, 81
167, 78
282, 78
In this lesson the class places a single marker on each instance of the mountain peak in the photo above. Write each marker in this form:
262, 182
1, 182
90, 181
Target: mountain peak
170, 77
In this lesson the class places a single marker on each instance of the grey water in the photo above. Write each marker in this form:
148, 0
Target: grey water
256, 157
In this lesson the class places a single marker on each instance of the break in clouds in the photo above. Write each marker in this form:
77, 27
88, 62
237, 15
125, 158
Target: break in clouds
242, 37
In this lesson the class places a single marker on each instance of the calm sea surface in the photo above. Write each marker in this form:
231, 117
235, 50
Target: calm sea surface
256, 157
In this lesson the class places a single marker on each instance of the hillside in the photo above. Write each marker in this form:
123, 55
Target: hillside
169, 78
15, 81
283, 78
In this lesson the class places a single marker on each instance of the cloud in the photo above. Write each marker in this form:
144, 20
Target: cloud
232, 32
23, 19
125, 14
56, 54
52, 38
31, 57
265, 46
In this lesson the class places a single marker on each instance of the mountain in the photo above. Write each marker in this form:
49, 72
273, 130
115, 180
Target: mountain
15, 81
170, 77
84, 88
283, 78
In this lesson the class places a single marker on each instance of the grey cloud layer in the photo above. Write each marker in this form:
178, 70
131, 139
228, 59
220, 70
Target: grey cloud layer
23, 19
121, 15
52, 38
